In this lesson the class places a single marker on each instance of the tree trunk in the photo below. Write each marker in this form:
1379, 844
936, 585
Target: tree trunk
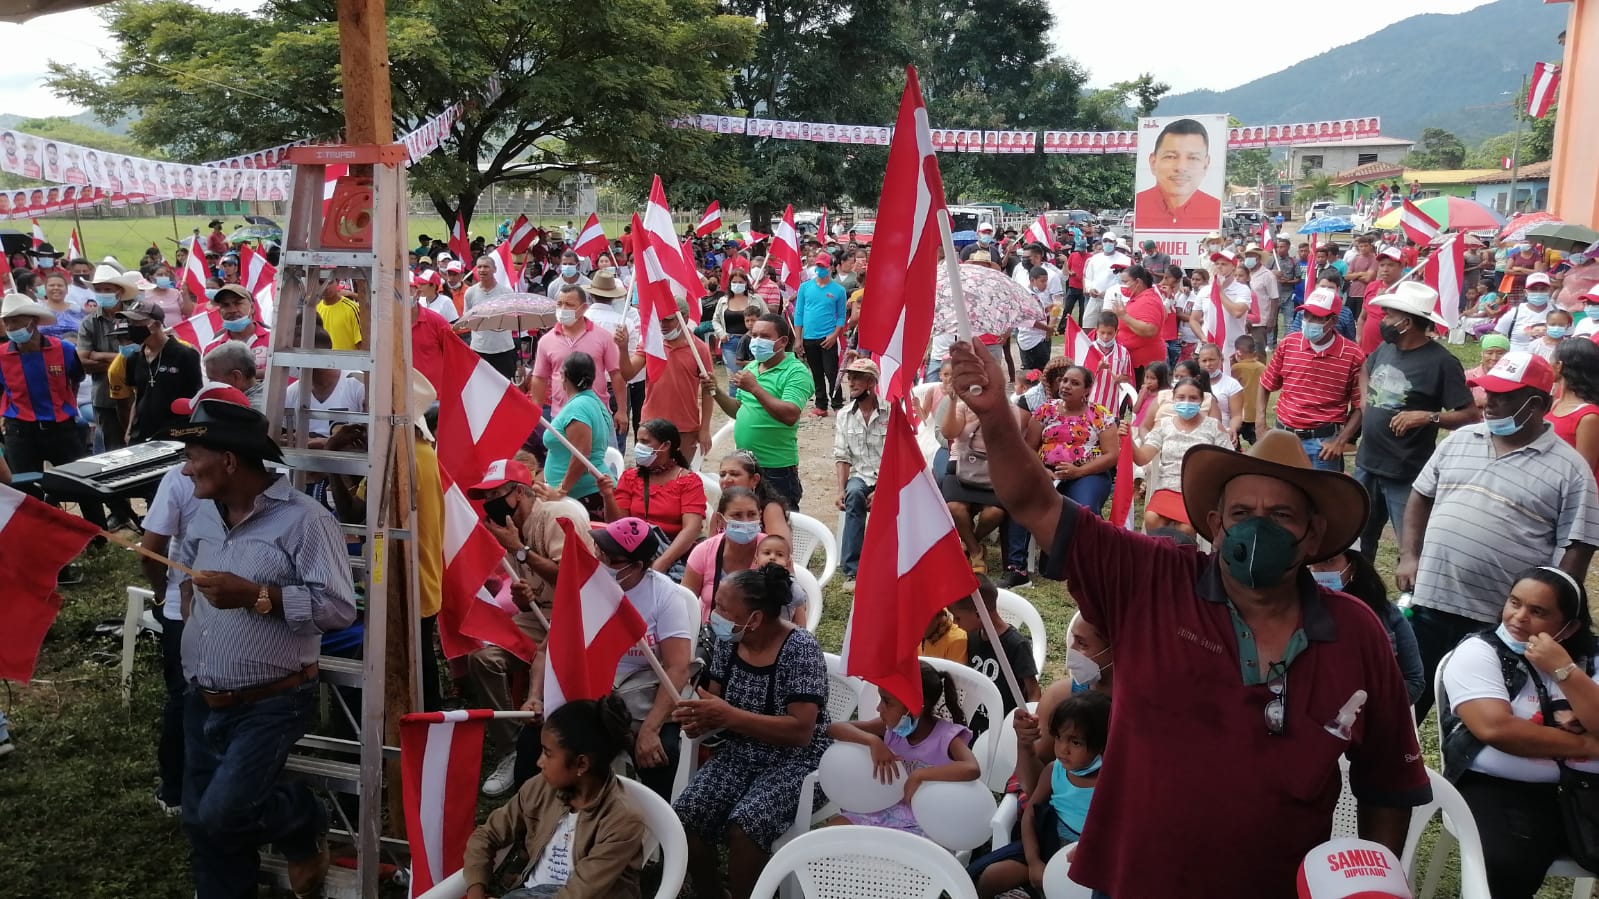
761, 217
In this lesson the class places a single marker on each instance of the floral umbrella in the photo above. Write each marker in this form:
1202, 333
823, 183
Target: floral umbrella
511, 312
995, 302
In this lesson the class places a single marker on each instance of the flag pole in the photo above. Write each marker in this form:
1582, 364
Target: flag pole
150, 554
532, 606
999, 651
690, 335
957, 295
593, 469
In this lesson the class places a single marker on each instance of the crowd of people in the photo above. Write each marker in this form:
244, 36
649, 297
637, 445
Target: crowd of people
1240, 388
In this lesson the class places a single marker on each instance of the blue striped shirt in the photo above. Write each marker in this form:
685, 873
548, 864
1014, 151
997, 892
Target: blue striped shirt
288, 541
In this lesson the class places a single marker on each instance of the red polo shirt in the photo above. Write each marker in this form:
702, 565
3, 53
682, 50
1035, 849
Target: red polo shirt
1371, 330
1195, 798
1146, 307
1317, 388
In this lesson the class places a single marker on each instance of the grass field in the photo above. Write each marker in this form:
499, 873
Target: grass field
78, 792
126, 239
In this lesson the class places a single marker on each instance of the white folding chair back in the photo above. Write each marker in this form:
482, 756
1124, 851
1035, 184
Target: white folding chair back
974, 691
132, 623
1457, 818
692, 602
1017, 612
809, 536
1057, 880
1344, 820
998, 745
813, 597
851, 862
722, 442
614, 462
713, 497
843, 691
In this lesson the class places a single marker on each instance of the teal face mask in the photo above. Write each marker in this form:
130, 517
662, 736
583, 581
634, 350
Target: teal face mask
1186, 410
1258, 552
906, 725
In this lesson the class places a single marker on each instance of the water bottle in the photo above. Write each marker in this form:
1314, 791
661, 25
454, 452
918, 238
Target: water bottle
1406, 604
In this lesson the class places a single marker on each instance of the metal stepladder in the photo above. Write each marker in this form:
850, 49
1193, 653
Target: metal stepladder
365, 245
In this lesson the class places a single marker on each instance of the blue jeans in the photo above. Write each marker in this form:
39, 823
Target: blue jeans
730, 347
785, 482
169, 751
1312, 447
1089, 491
855, 495
1388, 498
233, 800
1015, 540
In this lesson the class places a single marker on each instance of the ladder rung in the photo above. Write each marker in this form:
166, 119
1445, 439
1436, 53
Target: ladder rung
340, 835
327, 461
344, 777
344, 416
328, 257
339, 744
346, 360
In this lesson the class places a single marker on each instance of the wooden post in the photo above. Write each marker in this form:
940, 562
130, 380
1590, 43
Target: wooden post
364, 72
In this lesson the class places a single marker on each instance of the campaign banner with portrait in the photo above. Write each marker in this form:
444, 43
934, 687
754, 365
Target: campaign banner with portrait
1179, 180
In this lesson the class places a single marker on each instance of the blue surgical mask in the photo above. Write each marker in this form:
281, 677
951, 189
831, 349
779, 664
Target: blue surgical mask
742, 532
1315, 332
105, 299
163, 282
985, 239
20, 335
762, 348
39, 292
1504, 427
1537, 300
821, 272
128, 352
1519, 647
906, 725
1091, 769
1577, 259
235, 325
738, 287
643, 455
1332, 580
47, 263
1108, 248
1557, 331
210, 294
569, 271
1186, 410
725, 629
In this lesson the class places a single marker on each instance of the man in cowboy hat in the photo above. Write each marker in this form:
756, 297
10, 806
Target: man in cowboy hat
250, 649
216, 242
1461, 562
858, 438
611, 311
110, 288
1232, 666
160, 369
1410, 387
44, 257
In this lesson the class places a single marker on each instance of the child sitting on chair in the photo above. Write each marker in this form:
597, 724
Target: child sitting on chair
579, 830
927, 747
773, 550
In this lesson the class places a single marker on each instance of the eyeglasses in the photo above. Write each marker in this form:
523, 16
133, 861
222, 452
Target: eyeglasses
1277, 706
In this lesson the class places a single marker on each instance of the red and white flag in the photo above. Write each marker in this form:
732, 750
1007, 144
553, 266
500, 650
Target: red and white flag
1417, 225
5, 272
255, 272
896, 326
38, 235
1445, 272
1545, 85
505, 270
1079, 347
441, 755
194, 273
663, 258
522, 234
471, 615
824, 232
912, 565
482, 417
36, 541
785, 251
74, 247
655, 305
591, 627
1507, 163
1038, 232
591, 240
711, 221
460, 247
201, 329
330, 182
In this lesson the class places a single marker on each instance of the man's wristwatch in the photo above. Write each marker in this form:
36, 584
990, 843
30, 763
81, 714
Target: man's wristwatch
1561, 674
521, 555
263, 601
1435, 417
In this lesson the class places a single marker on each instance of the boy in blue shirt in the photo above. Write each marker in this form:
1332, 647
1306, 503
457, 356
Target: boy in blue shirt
819, 318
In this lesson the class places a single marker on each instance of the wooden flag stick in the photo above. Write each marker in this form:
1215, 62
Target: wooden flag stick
151, 554
690, 335
587, 463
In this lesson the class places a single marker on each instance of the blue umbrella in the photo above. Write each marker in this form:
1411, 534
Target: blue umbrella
1327, 224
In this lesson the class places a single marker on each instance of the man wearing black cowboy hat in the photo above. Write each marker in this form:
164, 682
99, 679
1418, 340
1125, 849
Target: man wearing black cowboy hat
44, 256
1241, 680
271, 576
216, 242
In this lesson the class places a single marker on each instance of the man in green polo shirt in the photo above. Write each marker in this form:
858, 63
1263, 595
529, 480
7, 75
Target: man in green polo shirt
772, 394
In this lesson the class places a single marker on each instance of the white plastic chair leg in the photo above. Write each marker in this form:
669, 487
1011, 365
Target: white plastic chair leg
1441, 849
1582, 888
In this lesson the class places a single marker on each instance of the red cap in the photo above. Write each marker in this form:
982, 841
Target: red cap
1349, 868
426, 276
454, 265
1324, 301
823, 259
1515, 371
1392, 253
505, 471
1224, 256
211, 390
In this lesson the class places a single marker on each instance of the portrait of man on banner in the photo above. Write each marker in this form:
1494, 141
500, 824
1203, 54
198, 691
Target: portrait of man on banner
1182, 193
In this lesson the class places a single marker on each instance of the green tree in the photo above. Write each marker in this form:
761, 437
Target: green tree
1320, 188
1438, 149
1540, 139
588, 88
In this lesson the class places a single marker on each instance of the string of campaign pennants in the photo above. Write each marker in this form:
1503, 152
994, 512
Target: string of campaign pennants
82, 177
972, 140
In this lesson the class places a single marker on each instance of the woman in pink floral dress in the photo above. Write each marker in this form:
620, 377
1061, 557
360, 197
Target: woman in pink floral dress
1067, 430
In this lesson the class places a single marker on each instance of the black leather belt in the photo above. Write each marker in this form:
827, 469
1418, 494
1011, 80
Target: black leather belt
1319, 432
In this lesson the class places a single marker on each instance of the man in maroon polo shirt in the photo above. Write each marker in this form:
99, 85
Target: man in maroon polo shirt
1318, 371
1221, 772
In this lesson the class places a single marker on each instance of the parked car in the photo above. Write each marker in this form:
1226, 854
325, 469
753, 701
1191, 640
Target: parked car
1248, 216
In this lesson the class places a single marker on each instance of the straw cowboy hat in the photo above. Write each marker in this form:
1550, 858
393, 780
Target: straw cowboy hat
1335, 496
22, 304
606, 284
128, 284
1412, 298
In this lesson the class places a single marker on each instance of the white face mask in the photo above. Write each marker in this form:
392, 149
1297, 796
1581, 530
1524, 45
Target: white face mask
757, 273
566, 317
1083, 669
738, 287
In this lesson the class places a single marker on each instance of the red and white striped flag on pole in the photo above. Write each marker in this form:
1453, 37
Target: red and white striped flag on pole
1038, 232
482, 417
255, 272
592, 625
1445, 272
38, 235
460, 247
441, 755
824, 232
912, 565
655, 305
522, 233
201, 329
1417, 225
897, 325
1545, 85
194, 273
785, 251
591, 240
710, 221
663, 257
75, 247
505, 271
36, 541
470, 614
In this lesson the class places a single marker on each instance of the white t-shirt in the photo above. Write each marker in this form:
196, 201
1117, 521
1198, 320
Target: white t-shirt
349, 395
1588, 327
666, 615
1233, 327
604, 313
1026, 337
488, 341
1183, 305
1516, 323
1473, 673
555, 862
443, 305
1223, 386
173, 507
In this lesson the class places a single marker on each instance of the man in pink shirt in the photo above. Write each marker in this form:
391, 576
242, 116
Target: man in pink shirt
573, 332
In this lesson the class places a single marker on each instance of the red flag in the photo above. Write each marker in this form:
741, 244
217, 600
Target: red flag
785, 251
1541, 93
1079, 347
255, 272
1038, 232
38, 235
688, 260
1121, 502
5, 272
1445, 272
36, 541
74, 247
1417, 225
194, 272
470, 614
912, 565
591, 627
201, 329
897, 324
710, 221
823, 232
441, 754
505, 271
591, 240
482, 417
522, 233
662, 257
460, 247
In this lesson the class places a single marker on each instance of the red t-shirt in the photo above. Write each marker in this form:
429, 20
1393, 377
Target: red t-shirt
1371, 331
668, 502
1188, 742
1566, 425
1317, 388
1146, 307
1074, 268
674, 390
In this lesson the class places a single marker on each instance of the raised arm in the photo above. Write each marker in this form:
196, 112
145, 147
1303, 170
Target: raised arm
1024, 487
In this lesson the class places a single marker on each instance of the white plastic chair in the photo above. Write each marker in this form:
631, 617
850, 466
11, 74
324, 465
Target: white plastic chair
852, 862
1019, 613
1058, 883
973, 691
813, 597
662, 831
721, 442
696, 612
713, 497
810, 535
614, 462
132, 623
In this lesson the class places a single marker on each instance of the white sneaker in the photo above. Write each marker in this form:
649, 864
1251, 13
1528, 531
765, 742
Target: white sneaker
501, 778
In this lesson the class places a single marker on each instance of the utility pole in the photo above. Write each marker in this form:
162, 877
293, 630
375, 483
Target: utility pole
1518, 106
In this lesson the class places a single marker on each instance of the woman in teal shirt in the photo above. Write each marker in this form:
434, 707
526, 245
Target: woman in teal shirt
586, 422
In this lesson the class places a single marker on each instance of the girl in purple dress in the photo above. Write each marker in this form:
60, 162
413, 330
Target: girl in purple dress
926, 746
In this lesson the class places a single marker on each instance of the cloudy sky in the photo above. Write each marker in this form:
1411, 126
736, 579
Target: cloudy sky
1190, 33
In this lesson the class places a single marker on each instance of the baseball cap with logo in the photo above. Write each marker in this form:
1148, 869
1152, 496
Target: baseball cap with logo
1538, 279
1324, 301
503, 471
1392, 253
1227, 256
453, 266
426, 276
1349, 868
1517, 370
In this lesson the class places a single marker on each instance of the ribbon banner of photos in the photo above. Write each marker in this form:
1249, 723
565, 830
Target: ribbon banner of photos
967, 140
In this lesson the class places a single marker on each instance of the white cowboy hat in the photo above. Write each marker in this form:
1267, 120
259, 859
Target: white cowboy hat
128, 284
22, 304
1412, 298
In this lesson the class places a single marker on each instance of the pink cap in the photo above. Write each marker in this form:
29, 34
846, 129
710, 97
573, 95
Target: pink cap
504, 471
823, 259
211, 390
1515, 371
631, 537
